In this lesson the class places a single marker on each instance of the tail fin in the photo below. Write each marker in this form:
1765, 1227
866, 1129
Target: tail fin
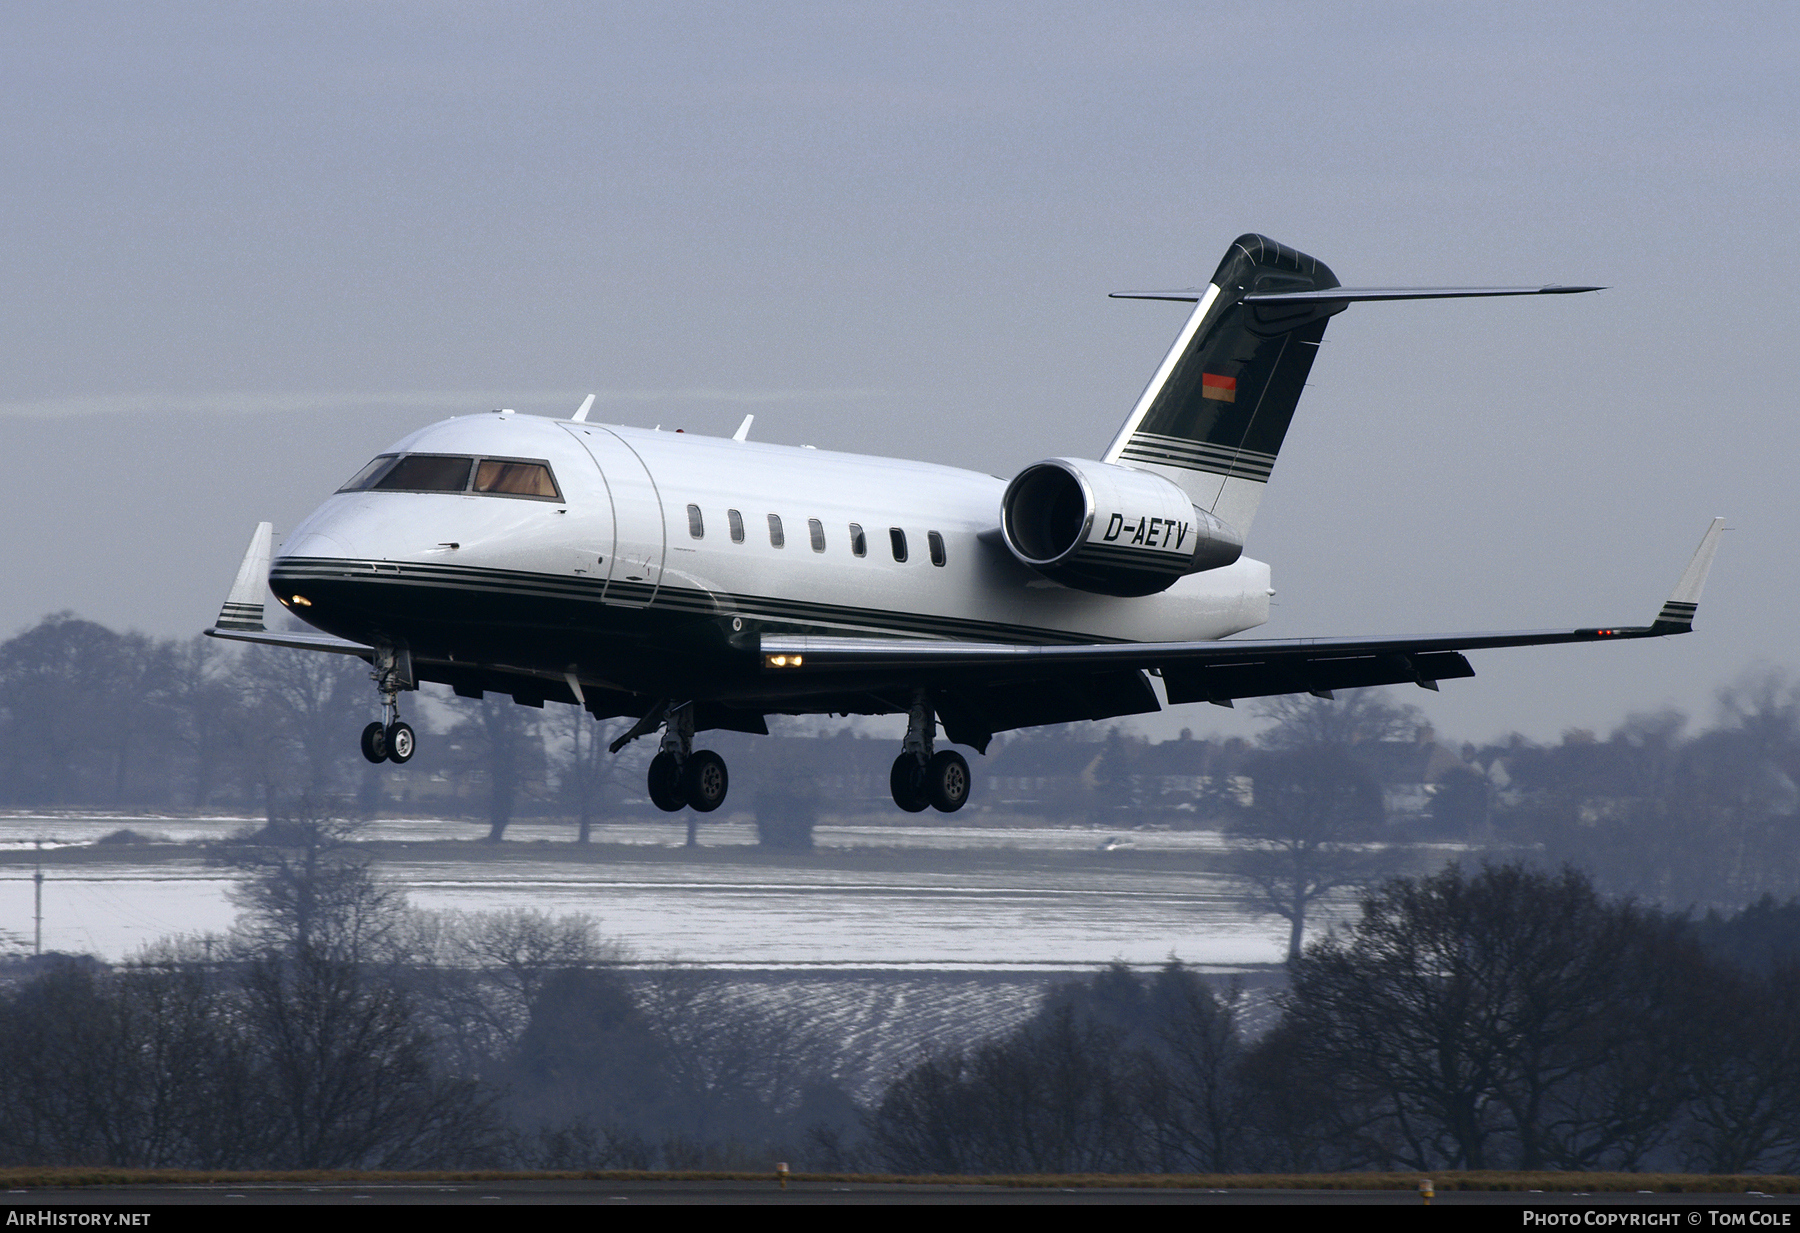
1213, 417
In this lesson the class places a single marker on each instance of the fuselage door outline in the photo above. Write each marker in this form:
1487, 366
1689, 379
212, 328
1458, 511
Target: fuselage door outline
639, 543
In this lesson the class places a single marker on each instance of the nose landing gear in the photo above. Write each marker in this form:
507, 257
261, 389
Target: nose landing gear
923, 777
389, 739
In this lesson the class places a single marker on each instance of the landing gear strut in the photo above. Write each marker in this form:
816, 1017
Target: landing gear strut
682, 776
389, 739
922, 776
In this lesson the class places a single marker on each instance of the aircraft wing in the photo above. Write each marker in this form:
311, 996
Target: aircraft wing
1215, 671
297, 640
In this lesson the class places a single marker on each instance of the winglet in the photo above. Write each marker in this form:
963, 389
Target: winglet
587, 404
243, 608
1677, 615
743, 432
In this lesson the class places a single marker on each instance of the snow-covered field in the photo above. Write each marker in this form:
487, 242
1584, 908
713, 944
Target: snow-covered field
936, 915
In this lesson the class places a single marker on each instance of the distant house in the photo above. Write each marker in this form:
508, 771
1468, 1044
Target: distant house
1409, 772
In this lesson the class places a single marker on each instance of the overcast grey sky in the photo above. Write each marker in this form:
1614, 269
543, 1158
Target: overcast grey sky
248, 245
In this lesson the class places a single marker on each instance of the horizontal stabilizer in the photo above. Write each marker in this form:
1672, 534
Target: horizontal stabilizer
1342, 295
1346, 294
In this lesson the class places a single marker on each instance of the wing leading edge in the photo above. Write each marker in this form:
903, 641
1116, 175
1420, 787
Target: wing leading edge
1218, 671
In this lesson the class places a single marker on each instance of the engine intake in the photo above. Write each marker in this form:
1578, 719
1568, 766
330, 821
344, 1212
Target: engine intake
1108, 529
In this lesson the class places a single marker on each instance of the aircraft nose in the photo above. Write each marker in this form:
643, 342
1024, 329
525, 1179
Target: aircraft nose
315, 544
335, 530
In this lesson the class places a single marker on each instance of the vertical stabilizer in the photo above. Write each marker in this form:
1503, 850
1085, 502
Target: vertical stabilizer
1213, 417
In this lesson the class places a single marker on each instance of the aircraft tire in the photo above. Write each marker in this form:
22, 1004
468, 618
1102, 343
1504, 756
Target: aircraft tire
907, 782
947, 781
374, 743
400, 742
665, 783
704, 781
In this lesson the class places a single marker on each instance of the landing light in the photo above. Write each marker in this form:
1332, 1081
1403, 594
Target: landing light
781, 661
301, 600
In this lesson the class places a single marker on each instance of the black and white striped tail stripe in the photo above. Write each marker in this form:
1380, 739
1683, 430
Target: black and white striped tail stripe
1198, 456
240, 616
1677, 612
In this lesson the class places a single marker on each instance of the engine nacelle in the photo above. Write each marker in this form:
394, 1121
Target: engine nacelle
1108, 529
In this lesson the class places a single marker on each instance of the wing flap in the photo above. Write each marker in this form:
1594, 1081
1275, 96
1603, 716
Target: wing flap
1225, 682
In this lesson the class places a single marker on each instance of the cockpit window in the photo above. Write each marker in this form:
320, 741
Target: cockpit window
500, 477
426, 473
369, 474
514, 479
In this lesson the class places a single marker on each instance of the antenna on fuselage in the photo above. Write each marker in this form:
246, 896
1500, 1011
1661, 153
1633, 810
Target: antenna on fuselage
743, 432
587, 404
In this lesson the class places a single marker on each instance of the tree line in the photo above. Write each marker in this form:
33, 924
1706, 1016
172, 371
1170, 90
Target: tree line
1500, 1017
1505, 1018
336, 1028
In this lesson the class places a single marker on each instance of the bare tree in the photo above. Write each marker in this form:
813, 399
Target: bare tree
1505, 1019
1354, 716
732, 1064
310, 706
349, 1074
1192, 1087
1306, 833
308, 887
481, 973
587, 774
1744, 1116
504, 740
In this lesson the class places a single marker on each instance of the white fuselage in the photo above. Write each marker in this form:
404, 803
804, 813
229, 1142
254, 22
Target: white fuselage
621, 536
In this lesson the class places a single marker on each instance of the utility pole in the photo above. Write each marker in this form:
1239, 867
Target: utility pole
37, 945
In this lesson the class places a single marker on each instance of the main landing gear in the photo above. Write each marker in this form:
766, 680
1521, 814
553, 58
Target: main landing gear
389, 739
922, 777
682, 776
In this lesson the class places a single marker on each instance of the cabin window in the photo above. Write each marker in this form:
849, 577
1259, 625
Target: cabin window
696, 524
859, 543
776, 538
737, 525
897, 537
512, 478
816, 530
426, 473
936, 543
369, 474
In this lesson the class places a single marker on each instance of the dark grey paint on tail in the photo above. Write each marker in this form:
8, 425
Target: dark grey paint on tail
1224, 406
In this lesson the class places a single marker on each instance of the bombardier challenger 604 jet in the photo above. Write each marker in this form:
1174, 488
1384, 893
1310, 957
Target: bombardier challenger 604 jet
693, 583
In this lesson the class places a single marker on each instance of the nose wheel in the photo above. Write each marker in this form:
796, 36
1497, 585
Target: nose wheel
389, 739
